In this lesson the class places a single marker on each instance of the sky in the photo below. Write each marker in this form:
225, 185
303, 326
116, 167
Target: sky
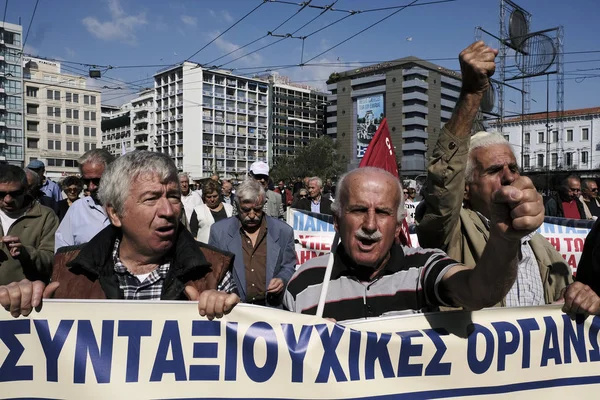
130, 40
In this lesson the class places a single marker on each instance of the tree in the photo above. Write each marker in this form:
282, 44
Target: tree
318, 158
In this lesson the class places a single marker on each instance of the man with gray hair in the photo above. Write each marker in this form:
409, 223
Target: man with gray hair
189, 197
145, 254
263, 246
464, 177
316, 202
87, 217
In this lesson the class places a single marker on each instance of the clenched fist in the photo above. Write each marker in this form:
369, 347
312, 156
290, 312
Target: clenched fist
477, 66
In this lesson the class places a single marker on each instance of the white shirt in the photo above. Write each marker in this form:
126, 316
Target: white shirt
190, 201
7, 221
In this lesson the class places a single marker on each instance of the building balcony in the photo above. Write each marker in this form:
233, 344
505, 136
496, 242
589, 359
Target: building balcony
262, 114
140, 143
180, 129
229, 108
207, 117
448, 103
219, 95
244, 99
179, 91
415, 83
229, 97
180, 104
414, 134
219, 107
179, 116
208, 92
415, 121
415, 96
137, 132
415, 108
141, 120
207, 142
415, 146
445, 114
219, 119
180, 141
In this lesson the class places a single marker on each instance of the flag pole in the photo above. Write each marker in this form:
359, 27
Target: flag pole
327, 277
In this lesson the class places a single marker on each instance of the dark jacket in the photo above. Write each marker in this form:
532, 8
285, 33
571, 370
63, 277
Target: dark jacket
554, 207
304, 204
588, 270
61, 208
87, 271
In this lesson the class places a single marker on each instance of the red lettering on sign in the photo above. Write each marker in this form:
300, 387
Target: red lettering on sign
578, 244
569, 241
555, 242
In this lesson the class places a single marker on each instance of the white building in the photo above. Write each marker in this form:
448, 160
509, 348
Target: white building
11, 94
62, 117
211, 121
573, 146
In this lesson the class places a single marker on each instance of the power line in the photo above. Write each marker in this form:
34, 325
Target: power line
30, 22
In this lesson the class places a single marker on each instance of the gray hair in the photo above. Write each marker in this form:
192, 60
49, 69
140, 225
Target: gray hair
249, 191
480, 140
586, 182
119, 176
183, 175
35, 178
96, 156
565, 182
316, 179
337, 207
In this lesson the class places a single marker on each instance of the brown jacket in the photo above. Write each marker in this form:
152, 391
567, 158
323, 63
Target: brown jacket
87, 271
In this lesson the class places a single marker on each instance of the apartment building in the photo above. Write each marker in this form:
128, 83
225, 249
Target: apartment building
62, 117
131, 126
570, 143
211, 121
11, 94
417, 97
297, 115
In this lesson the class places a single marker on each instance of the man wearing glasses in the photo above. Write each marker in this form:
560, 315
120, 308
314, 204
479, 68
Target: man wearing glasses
566, 203
87, 217
26, 230
589, 197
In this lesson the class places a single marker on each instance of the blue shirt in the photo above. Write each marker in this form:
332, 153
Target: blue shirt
315, 207
82, 222
51, 189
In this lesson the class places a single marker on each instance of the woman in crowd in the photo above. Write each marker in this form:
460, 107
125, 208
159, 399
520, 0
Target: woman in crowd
211, 211
72, 187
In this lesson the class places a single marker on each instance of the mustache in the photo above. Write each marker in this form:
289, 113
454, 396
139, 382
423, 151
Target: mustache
249, 220
362, 235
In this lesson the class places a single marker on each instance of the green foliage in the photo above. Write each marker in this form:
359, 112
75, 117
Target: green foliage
318, 158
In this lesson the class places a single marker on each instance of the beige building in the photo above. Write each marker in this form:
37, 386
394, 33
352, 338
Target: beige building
62, 117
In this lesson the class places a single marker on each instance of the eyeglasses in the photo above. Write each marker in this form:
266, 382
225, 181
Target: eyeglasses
405, 192
72, 189
211, 196
13, 194
594, 190
95, 181
575, 190
302, 196
259, 177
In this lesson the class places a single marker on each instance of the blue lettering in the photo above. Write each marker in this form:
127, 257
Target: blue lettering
575, 339
205, 350
310, 224
480, 367
100, 356
330, 359
550, 349
435, 367
506, 347
377, 350
170, 338
297, 348
298, 221
594, 329
52, 346
527, 326
549, 228
9, 371
254, 372
231, 345
407, 350
134, 330
353, 356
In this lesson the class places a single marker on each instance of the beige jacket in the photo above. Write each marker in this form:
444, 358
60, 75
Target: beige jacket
459, 231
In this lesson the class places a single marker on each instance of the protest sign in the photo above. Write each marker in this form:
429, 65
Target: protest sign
567, 236
156, 349
313, 233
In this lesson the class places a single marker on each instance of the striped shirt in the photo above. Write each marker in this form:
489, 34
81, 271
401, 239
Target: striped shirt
409, 281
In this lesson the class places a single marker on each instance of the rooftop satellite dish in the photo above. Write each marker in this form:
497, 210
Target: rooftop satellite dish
538, 53
489, 99
518, 28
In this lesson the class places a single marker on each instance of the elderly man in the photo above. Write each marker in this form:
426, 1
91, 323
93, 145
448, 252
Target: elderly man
227, 192
463, 178
50, 189
589, 198
263, 247
145, 254
286, 194
189, 198
26, 230
316, 202
372, 275
566, 203
259, 171
87, 217
34, 190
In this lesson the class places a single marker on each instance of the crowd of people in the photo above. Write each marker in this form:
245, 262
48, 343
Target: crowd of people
142, 233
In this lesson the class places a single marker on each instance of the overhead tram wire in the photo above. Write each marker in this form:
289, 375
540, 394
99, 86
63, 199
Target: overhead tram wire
30, 22
362, 31
256, 40
369, 9
4, 18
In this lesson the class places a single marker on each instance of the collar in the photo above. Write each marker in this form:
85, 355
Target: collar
261, 229
486, 222
95, 257
343, 265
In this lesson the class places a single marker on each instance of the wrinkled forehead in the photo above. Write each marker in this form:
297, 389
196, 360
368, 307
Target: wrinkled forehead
496, 154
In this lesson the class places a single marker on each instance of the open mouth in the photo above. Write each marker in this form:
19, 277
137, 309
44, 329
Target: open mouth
366, 244
166, 230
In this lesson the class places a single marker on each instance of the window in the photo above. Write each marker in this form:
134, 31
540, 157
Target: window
75, 146
86, 131
32, 109
68, 97
53, 111
584, 157
32, 143
541, 137
71, 163
93, 115
69, 130
554, 160
86, 115
54, 162
32, 126
93, 132
585, 133
569, 159
57, 145
76, 130
93, 100
554, 136
69, 146
32, 91
75, 114
526, 161
57, 128
540, 160
569, 135
69, 113
53, 94
86, 99
50, 128
75, 98
507, 138
526, 139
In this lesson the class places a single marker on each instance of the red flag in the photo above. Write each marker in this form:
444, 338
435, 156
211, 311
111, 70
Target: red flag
381, 154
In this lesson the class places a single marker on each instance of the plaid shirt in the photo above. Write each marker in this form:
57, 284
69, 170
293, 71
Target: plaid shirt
151, 287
